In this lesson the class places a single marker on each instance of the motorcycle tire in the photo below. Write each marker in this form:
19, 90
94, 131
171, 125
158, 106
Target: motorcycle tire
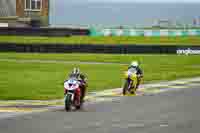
67, 103
125, 88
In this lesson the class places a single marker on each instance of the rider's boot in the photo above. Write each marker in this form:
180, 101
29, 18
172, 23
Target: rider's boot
82, 94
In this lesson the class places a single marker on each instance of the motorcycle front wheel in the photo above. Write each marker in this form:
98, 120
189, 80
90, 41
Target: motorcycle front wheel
67, 103
125, 87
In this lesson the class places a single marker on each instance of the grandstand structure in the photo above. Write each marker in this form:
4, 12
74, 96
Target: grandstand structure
16, 13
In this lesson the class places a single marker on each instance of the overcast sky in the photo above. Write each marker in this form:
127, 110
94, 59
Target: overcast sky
106, 12
160, 1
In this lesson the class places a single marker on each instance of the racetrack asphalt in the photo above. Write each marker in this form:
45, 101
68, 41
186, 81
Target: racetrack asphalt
168, 112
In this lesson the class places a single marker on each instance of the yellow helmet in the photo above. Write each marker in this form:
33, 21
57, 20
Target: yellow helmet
134, 64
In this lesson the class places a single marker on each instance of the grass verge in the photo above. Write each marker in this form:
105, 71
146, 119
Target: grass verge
42, 80
184, 40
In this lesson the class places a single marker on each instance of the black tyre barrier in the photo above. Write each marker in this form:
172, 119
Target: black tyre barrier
30, 31
91, 48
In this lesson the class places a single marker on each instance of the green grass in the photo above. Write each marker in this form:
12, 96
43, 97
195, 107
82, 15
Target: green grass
45, 81
185, 40
28, 80
114, 58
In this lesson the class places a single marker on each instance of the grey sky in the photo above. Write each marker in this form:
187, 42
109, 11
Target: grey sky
124, 1
82, 12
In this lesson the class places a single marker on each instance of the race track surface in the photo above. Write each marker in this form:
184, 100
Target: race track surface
168, 112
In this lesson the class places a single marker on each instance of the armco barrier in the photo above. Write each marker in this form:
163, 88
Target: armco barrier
142, 32
90, 48
26, 31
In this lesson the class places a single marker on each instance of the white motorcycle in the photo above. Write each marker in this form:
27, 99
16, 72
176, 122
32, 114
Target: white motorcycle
72, 94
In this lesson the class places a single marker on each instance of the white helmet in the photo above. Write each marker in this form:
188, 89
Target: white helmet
76, 71
134, 64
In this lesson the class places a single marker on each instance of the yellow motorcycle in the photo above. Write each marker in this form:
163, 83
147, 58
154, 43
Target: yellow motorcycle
130, 84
